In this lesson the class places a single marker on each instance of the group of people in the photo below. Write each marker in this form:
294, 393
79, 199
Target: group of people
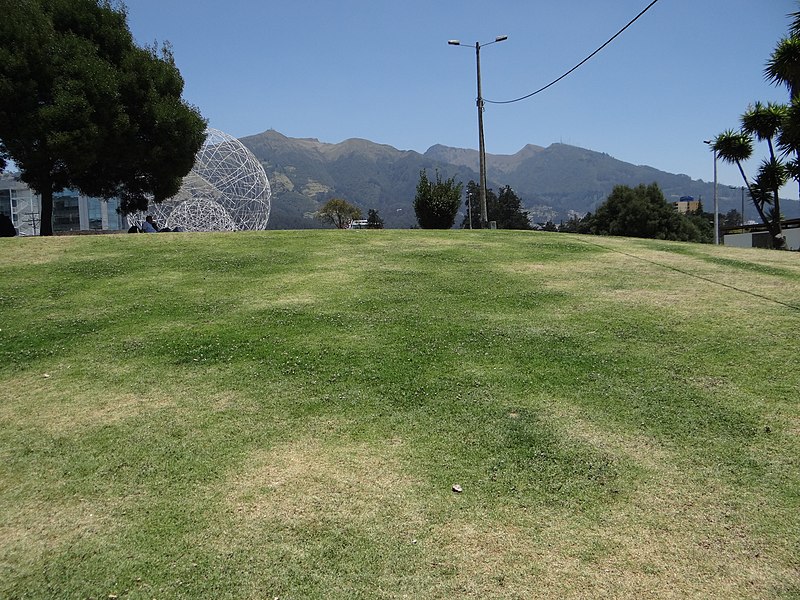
149, 226
7, 228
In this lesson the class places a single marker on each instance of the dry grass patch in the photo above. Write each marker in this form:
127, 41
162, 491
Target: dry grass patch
676, 536
668, 280
277, 297
673, 537
35, 250
33, 530
670, 540
310, 483
61, 407
334, 517
290, 291
488, 559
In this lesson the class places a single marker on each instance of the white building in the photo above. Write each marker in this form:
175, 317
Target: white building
757, 236
71, 210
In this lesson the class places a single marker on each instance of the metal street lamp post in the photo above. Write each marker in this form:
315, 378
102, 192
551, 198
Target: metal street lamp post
481, 146
469, 208
741, 216
742, 206
716, 204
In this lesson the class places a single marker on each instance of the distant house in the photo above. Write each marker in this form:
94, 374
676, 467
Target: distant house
71, 210
687, 204
757, 236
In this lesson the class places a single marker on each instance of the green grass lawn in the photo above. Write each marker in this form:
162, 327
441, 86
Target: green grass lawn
284, 414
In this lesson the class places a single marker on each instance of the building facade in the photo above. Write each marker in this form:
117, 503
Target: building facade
687, 204
71, 210
757, 235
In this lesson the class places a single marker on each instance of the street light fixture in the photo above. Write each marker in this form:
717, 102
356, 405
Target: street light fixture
716, 207
482, 147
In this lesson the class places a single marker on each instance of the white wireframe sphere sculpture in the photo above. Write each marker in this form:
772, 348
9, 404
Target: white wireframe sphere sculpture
226, 190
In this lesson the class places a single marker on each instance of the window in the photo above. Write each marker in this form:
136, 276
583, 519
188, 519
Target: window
5, 203
95, 213
114, 218
66, 216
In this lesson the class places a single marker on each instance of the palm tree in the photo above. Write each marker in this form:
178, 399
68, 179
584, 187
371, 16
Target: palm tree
735, 147
789, 134
766, 123
783, 67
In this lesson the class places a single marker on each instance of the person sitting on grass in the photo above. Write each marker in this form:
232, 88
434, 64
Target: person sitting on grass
149, 226
7, 228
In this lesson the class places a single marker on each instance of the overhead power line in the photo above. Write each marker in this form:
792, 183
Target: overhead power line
580, 64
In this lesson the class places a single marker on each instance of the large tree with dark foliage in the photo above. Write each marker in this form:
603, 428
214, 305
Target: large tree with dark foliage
339, 213
472, 217
640, 212
508, 212
505, 209
436, 203
374, 220
82, 106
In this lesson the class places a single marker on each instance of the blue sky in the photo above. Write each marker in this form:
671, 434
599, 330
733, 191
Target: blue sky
384, 71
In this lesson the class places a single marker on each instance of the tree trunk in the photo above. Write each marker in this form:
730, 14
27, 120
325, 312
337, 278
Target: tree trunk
774, 227
778, 239
46, 217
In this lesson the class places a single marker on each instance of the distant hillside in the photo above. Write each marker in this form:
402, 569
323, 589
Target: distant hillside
503, 163
305, 173
551, 181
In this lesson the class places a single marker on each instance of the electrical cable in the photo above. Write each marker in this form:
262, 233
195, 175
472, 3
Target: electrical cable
580, 64
583, 239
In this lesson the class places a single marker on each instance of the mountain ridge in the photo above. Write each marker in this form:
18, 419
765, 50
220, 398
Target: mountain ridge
553, 182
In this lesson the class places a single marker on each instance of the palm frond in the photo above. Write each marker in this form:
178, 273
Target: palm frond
760, 195
764, 121
733, 146
783, 66
794, 28
793, 169
772, 175
773, 215
789, 134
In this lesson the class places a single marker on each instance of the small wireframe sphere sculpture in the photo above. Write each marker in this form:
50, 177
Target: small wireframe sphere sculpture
226, 190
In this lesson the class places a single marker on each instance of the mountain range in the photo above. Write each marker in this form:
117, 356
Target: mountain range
553, 183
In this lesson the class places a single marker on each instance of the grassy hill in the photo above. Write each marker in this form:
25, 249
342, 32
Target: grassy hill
285, 414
